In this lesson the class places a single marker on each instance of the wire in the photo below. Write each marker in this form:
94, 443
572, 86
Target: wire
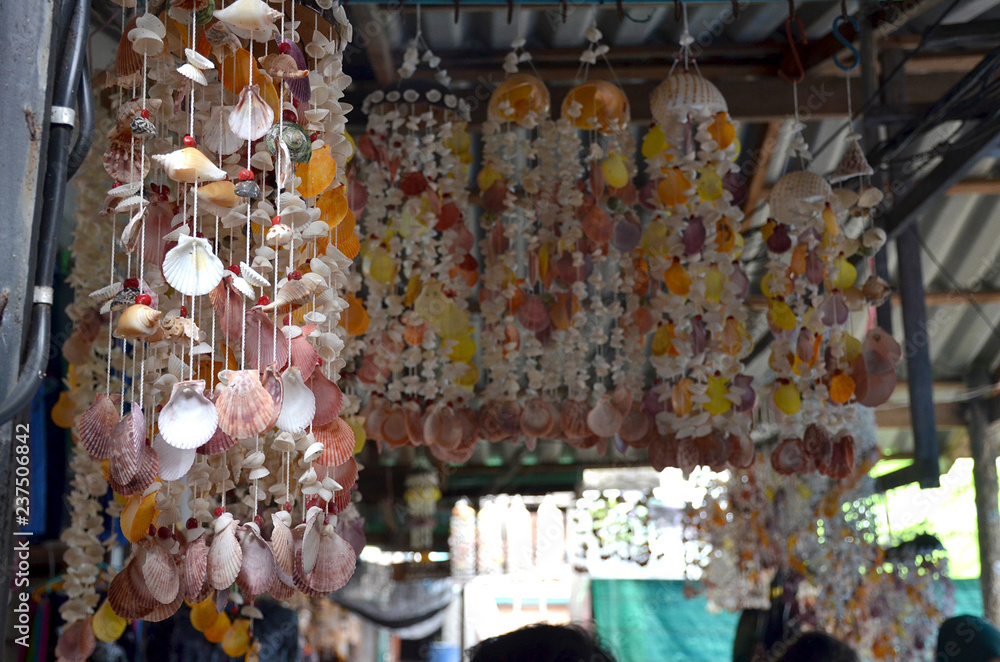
958, 288
928, 33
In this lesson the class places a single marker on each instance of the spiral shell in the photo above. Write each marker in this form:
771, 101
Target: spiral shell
138, 322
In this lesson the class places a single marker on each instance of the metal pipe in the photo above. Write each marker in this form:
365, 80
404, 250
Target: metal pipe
54, 192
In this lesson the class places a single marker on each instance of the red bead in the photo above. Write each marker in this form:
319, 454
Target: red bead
192, 523
184, 311
313, 136
235, 268
116, 185
258, 520
294, 275
287, 320
131, 282
152, 529
145, 113
276, 220
189, 141
246, 175
218, 511
288, 506
319, 360
284, 47
144, 299
289, 116
263, 300
163, 533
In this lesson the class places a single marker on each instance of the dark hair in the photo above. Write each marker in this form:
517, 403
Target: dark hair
541, 643
819, 647
967, 639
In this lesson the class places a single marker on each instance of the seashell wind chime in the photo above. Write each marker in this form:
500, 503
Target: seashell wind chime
419, 271
588, 284
232, 469
812, 286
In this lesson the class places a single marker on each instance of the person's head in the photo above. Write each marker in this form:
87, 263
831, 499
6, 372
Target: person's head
967, 639
541, 643
819, 647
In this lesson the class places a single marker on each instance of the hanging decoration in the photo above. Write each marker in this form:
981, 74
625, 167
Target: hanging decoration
703, 397
417, 337
815, 536
204, 367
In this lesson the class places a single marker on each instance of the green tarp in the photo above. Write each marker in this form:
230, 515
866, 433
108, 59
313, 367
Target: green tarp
643, 621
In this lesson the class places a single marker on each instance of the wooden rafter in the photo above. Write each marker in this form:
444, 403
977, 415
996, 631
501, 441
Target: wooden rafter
367, 22
762, 163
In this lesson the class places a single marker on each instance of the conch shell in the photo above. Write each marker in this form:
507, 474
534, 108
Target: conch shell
291, 295
246, 16
139, 322
189, 166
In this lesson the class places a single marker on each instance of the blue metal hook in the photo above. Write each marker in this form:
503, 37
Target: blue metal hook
837, 23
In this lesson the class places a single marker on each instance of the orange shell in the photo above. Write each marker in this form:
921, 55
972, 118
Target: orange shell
317, 174
604, 106
332, 206
523, 94
338, 442
355, 318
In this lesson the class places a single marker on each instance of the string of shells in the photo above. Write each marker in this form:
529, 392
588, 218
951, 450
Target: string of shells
203, 382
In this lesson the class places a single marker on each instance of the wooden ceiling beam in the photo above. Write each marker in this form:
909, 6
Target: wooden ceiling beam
761, 162
368, 21
762, 100
759, 302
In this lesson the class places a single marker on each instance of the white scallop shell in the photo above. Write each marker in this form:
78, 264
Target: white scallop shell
125, 190
145, 42
252, 277
258, 473
243, 287
252, 116
215, 133
191, 267
313, 452
197, 60
189, 419
174, 462
193, 73
299, 404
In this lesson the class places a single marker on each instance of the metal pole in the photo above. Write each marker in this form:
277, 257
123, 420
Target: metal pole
918, 357
25, 97
984, 477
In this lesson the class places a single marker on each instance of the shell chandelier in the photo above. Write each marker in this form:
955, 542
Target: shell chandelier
607, 307
205, 361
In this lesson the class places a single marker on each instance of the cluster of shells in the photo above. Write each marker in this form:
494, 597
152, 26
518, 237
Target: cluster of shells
587, 285
232, 466
757, 522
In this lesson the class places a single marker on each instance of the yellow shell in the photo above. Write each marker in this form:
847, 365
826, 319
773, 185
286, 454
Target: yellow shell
107, 625
464, 350
615, 171
787, 399
137, 515
138, 321
236, 641
654, 142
